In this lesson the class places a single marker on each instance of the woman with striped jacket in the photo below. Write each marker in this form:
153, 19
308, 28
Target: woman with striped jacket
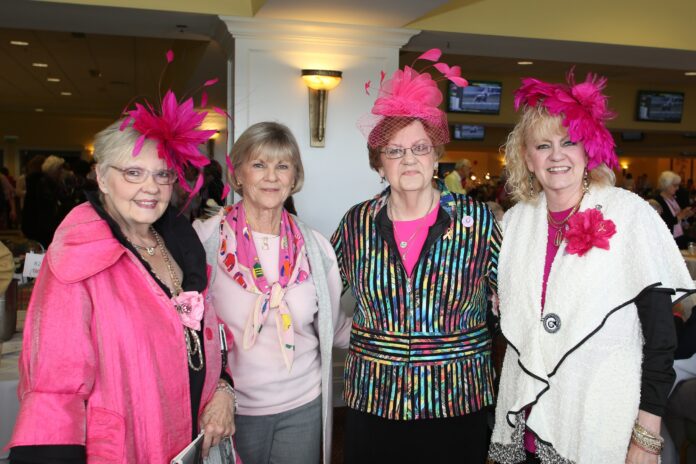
421, 263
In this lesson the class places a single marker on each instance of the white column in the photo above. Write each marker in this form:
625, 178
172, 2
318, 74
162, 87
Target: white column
268, 58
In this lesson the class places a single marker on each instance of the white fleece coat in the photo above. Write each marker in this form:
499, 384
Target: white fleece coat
584, 380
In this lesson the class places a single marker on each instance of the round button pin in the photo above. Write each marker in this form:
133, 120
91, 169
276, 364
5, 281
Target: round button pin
467, 221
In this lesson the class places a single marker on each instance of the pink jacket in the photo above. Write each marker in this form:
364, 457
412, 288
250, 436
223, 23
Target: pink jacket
104, 359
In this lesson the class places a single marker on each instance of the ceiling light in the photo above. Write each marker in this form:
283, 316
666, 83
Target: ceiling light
19, 43
66, 94
38, 110
690, 73
53, 79
525, 63
39, 65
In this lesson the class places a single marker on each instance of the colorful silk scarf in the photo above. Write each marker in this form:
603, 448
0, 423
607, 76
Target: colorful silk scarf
239, 257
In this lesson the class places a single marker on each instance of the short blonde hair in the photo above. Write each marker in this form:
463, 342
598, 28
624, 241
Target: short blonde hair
273, 141
666, 179
537, 122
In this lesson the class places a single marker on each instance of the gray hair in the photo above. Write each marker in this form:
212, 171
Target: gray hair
113, 146
463, 163
52, 164
273, 141
666, 179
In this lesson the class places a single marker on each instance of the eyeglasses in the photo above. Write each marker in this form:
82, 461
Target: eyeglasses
140, 175
398, 152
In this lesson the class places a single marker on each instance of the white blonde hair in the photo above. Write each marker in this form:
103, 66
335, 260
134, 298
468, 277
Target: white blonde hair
666, 179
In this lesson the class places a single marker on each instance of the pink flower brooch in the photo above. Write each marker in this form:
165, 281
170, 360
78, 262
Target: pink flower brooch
588, 229
190, 307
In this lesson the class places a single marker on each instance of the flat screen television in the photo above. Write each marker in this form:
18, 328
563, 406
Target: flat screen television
482, 97
660, 106
468, 132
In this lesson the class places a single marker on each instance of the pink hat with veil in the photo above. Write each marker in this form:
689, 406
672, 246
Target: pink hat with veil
410, 94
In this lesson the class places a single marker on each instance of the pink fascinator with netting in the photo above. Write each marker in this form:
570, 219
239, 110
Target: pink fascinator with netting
412, 95
175, 126
584, 110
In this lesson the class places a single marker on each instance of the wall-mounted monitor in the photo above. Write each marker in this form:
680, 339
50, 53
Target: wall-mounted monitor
482, 97
660, 106
468, 132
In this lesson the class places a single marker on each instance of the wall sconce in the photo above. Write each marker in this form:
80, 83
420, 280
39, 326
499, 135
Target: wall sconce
319, 82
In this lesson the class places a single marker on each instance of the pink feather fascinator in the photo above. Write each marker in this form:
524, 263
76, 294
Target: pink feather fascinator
584, 111
175, 127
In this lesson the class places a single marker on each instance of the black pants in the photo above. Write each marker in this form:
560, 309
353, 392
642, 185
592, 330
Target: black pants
370, 439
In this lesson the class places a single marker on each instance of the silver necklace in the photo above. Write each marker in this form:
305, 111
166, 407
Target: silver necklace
403, 244
149, 250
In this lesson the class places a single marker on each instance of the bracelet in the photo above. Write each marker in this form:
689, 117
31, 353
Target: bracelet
646, 440
645, 448
227, 388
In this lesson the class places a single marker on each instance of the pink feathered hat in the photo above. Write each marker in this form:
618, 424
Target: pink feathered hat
410, 94
584, 111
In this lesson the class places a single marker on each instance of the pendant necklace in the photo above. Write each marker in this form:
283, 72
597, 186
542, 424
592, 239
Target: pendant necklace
403, 244
149, 250
560, 226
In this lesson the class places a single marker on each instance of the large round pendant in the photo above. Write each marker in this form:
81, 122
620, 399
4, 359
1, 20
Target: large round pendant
551, 322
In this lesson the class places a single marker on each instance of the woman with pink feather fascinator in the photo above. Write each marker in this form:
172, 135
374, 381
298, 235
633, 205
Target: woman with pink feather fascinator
121, 360
421, 263
588, 274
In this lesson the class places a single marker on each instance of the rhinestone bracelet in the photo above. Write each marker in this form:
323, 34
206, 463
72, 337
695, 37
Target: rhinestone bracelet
646, 440
227, 388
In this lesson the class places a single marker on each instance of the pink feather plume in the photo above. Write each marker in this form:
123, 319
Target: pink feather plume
584, 109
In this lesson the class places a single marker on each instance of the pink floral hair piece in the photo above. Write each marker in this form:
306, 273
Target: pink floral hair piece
411, 94
584, 110
175, 126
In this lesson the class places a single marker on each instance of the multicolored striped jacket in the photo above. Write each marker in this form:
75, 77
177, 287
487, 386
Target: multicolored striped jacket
420, 347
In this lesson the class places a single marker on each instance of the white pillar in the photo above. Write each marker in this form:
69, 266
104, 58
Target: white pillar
268, 58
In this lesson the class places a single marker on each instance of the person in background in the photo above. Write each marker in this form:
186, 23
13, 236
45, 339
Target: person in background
272, 272
121, 360
8, 208
672, 213
456, 180
588, 275
421, 262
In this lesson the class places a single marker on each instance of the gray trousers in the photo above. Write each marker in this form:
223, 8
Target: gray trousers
290, 437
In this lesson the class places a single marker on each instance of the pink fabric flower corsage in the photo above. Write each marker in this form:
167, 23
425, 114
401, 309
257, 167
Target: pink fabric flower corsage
190, 306
588, 229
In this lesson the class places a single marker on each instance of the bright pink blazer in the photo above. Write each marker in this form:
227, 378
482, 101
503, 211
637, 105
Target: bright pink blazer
104, 359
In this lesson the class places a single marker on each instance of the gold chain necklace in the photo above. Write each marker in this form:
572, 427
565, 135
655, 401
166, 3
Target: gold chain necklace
561, 225
193, 341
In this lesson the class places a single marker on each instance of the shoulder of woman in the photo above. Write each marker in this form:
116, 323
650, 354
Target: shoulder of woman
83, 246
206, 228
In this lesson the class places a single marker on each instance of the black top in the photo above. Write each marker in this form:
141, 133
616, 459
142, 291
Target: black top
657, 375
186, 249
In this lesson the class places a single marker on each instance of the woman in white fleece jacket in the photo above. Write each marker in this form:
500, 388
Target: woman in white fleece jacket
587, 276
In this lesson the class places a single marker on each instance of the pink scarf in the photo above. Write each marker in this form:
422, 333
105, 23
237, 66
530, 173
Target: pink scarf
239, 257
